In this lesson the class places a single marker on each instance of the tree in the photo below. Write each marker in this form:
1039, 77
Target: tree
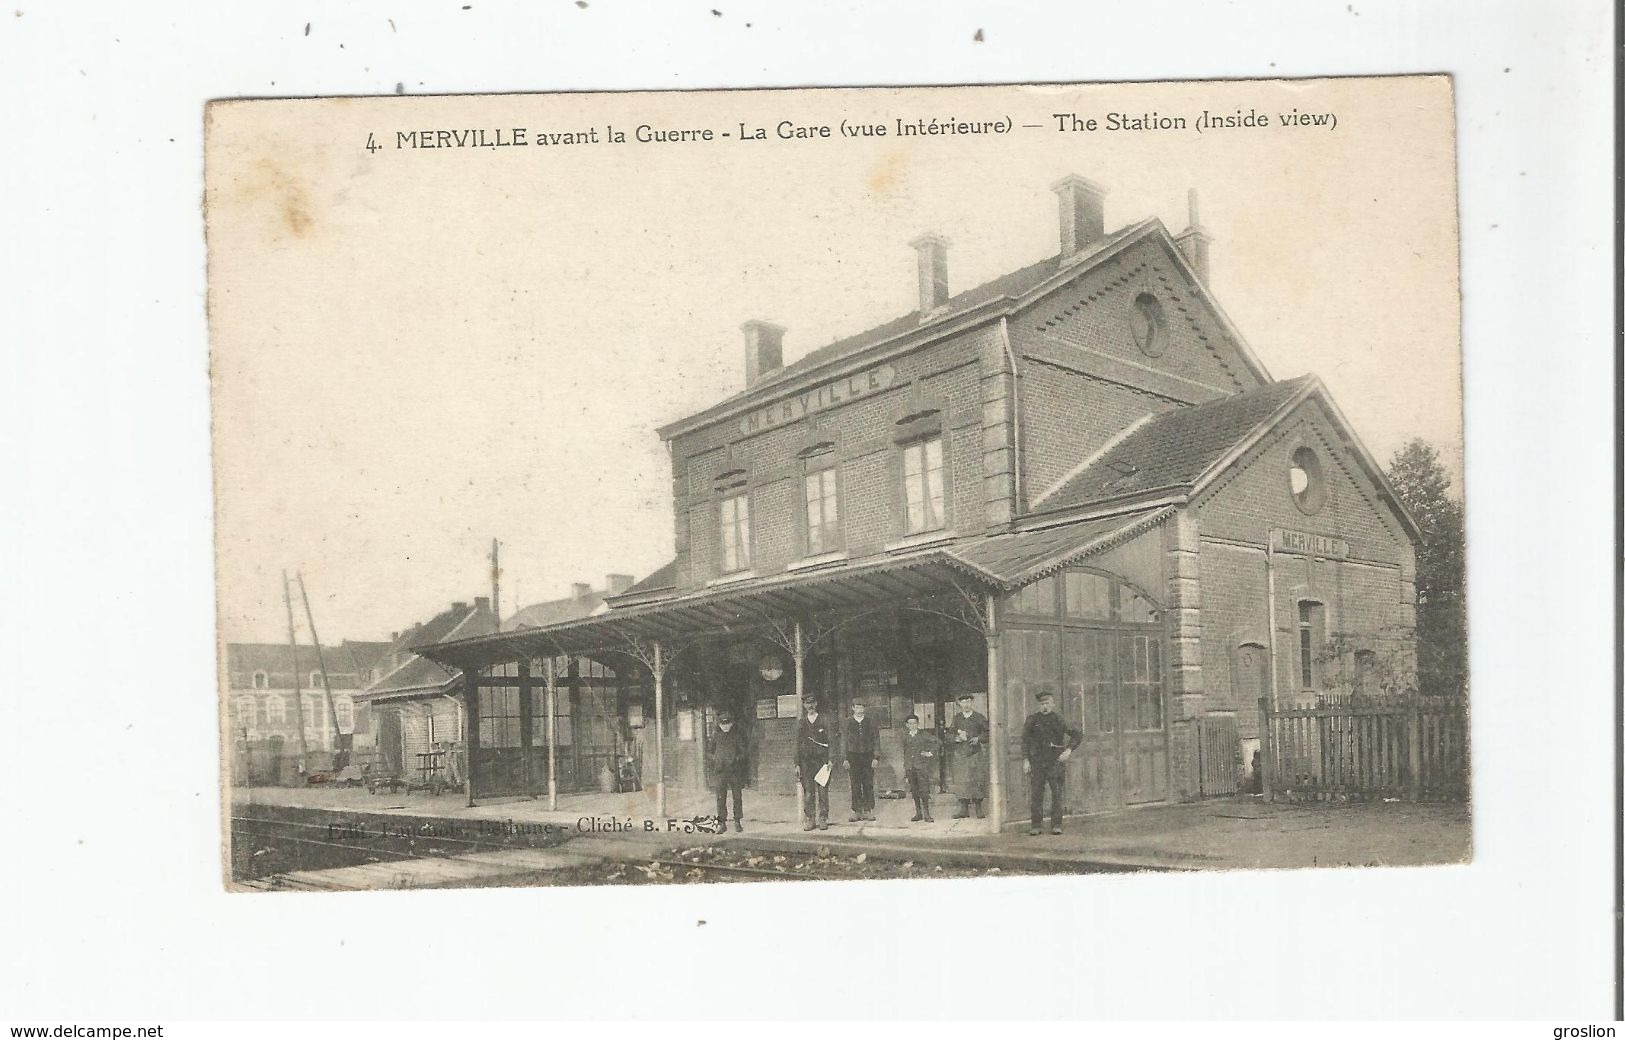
1441, 601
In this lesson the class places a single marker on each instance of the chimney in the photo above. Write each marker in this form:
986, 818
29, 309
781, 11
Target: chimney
764, 349
580, 590
617, 583
459, 605
1083, 214
931, 249
482, 603
1193, 242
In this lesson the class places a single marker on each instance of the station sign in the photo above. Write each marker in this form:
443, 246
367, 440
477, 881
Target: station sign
1305, 544
835, 392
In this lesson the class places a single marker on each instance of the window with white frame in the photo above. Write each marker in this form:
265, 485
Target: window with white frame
261, 680
823, 505
345, 713
315, 679
276, 711
923, 507
735, 515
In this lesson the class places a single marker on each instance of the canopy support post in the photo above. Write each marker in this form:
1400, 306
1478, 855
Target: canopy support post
995, 722
659, 670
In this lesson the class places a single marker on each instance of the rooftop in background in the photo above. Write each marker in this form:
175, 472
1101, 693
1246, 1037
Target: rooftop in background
410, 672
583, 601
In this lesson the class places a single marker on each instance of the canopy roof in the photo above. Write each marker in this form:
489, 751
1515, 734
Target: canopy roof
995, 564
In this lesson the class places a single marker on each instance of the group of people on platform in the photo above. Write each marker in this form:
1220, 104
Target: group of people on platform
1047, 743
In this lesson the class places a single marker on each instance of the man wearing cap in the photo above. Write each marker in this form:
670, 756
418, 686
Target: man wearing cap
812, 756
731, 760
968, 733
862, 739
1046, 744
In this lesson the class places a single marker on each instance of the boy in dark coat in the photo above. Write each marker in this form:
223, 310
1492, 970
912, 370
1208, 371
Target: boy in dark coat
920, 765
731, 760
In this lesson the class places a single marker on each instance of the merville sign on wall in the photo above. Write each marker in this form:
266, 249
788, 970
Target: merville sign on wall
839, 391
1305, 544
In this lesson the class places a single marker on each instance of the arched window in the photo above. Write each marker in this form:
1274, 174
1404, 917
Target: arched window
261, 680
1311, 641
315, 679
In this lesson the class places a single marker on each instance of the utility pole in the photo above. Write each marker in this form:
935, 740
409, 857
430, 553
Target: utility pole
298, 691
341, 741
496, 582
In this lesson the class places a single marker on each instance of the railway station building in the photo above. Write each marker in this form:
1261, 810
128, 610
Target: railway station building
1075, 478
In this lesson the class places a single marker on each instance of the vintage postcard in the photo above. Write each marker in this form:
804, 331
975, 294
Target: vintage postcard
645, 488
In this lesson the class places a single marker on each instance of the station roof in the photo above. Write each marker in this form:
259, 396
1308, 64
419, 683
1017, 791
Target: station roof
1172, 449
998, 563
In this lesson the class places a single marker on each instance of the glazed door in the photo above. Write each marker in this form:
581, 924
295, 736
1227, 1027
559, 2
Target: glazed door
1142, 729
1095, 772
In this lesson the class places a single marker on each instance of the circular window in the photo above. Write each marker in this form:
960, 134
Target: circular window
1308, 487
1148, 325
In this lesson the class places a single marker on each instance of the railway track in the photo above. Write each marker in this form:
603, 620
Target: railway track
294, 845
753, 872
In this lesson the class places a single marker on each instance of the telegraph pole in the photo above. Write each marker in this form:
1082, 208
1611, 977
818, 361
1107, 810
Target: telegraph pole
341, 745
496, 583
298, 691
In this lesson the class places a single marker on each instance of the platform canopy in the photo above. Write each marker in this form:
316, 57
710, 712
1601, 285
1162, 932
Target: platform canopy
968, 567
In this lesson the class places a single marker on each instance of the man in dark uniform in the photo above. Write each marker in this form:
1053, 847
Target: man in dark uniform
969, 732
731, 760
862, 739
920, 766
1046, 744
812, 755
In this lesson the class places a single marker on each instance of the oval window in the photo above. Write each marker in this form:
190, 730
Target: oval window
1147, 324
1307, 484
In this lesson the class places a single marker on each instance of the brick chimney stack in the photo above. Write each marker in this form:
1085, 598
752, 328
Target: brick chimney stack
931, 251
616, 584
1083, 214
764, 349
580, 590
1194, 240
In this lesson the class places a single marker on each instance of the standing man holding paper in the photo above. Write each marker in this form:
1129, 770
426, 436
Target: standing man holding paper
813, 764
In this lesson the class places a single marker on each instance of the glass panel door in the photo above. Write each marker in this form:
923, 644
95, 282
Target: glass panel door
1094, 770
1141, 713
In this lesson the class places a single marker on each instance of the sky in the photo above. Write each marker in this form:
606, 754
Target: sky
415, 351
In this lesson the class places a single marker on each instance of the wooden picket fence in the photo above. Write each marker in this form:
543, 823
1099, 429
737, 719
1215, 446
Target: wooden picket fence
1362, 748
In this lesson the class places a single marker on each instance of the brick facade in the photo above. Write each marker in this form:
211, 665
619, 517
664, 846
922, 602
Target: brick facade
1034, 382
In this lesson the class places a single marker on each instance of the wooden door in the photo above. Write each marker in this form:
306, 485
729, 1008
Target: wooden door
1094, 775
1142, 727
1252, 680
